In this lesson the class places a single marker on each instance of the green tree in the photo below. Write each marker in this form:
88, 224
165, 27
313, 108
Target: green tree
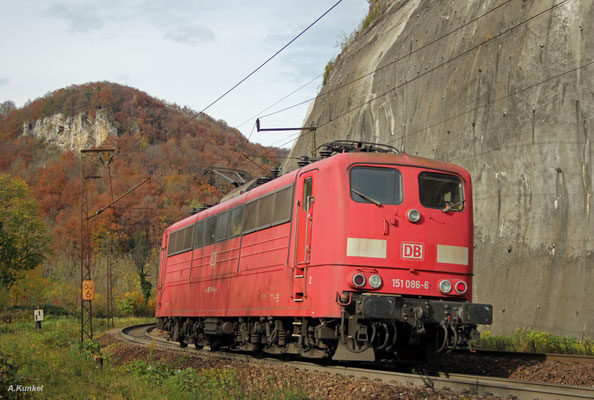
23, 234
140, 255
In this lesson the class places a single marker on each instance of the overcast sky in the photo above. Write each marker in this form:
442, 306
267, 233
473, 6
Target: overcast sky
185, 52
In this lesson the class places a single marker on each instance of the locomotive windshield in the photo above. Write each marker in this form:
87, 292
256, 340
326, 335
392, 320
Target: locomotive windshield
441, 191
376, 185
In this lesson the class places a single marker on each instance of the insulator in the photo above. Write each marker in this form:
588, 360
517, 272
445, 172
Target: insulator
303, 161
262, 180
325, 153
275, 173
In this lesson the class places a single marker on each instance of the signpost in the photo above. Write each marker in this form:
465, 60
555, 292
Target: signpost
38, 314
88, 290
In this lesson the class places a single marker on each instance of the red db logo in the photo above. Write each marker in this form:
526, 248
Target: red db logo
412, 251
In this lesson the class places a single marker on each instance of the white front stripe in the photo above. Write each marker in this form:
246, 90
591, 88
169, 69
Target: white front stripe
452, 254
358, 247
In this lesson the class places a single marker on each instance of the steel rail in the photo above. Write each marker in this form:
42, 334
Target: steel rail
577, 358
480, 385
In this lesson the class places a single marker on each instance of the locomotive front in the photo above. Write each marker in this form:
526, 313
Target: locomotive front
394, 241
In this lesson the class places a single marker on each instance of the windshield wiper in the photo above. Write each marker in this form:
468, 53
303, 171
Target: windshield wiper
450, 206
374, 201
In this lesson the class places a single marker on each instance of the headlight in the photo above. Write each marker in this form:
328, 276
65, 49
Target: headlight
414, 215
375, 281
445, 286
359, 280
461, 287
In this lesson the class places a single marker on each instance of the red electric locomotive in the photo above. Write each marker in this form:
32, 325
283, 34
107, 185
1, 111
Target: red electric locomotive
363, 254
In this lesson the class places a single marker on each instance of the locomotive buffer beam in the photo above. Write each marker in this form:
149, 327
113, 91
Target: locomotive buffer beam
426, 311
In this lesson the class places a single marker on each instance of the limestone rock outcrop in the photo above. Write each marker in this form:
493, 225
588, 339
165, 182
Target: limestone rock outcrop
72, 133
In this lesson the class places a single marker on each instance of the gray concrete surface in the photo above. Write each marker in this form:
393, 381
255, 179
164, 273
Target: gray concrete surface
505, 89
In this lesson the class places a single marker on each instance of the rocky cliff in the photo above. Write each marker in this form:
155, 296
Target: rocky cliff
503, 88
72, 133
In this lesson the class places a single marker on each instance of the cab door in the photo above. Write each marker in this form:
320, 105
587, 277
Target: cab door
305, 205
305, 212
163, 268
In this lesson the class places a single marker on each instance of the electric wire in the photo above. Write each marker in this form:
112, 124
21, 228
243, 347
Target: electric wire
259, 67
357, 79
194, 116
490, 103
497, 36
279, 101
429, 71
317, 77
328, 92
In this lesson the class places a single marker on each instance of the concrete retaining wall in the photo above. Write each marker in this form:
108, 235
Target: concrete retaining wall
505, 89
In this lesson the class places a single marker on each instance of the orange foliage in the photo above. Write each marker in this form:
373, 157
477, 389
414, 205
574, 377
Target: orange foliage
149, 142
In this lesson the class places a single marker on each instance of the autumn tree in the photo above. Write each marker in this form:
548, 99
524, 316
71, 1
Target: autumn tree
23, 235
6, 108
140, 255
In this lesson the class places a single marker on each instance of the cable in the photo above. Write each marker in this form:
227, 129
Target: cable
439, 66
295, 137
288, 108
287, 96
245, 78
329, 91
491, 102
236, 160
446, 62
259, 67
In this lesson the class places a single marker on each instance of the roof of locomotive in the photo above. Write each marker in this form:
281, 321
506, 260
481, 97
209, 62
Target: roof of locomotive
403, 159
344, 159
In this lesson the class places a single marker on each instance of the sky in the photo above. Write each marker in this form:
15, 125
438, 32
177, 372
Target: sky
187, 52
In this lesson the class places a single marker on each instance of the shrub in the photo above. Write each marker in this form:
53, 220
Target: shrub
529, 340
132, 304
9, 374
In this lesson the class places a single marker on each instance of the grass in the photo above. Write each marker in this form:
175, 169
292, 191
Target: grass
55, 359
528, 340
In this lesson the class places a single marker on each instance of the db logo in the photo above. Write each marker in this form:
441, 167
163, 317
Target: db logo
412, 251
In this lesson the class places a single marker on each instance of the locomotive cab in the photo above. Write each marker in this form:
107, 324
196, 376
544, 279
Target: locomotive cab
394, 243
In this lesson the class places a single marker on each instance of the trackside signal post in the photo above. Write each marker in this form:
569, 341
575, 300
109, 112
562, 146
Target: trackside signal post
87, 286
87, 172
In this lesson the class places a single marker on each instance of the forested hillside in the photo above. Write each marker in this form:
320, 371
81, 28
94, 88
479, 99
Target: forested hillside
153, 139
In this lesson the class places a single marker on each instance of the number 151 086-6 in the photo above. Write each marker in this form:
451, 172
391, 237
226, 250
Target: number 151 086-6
410, 284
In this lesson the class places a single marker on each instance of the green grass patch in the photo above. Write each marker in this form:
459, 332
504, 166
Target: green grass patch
55, 358
529, 340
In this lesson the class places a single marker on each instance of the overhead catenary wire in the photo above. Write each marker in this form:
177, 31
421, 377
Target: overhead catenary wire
279, 101
486, 104
259, 67
468, 51
195, 115
482, 43
357, 79
292, 138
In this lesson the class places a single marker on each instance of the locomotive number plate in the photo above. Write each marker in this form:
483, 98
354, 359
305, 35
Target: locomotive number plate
410, 284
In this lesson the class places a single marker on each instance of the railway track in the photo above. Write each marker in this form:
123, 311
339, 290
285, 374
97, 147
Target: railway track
142, 334
534, 356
